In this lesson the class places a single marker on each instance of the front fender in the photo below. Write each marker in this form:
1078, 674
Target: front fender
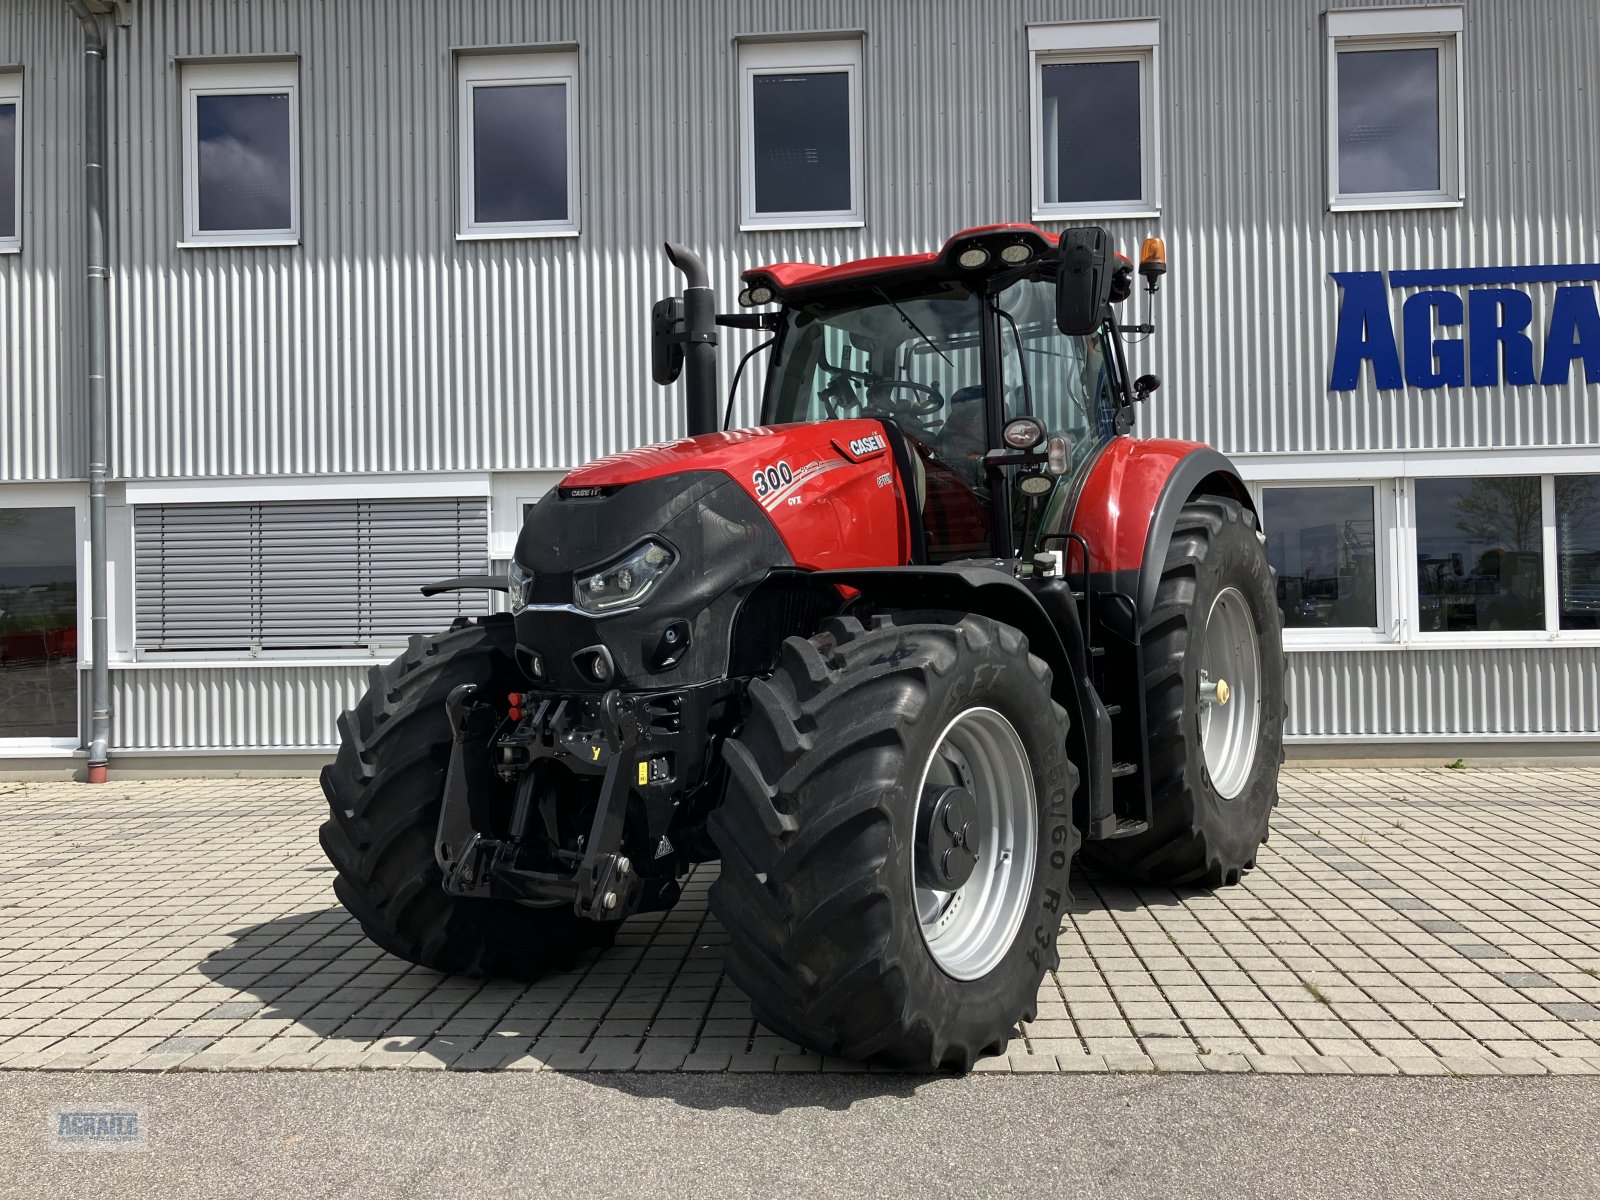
1130, 503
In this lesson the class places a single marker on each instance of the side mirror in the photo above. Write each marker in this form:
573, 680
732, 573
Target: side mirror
1145, 385
666, 340
1083, 281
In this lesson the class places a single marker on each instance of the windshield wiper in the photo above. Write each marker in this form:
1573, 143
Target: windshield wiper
915, 328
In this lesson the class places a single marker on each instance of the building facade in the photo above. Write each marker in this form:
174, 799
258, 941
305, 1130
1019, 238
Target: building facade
381, 271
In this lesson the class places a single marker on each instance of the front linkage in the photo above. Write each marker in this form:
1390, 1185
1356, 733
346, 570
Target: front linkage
653, 746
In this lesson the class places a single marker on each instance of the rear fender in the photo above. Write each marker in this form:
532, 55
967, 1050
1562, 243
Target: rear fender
1047, 617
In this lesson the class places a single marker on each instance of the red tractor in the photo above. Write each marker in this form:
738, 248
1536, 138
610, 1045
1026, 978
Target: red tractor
890, 657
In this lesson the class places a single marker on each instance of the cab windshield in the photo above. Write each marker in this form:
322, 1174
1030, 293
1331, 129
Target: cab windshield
916, 358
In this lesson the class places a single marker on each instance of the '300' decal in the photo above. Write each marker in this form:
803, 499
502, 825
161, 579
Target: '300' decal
770, 479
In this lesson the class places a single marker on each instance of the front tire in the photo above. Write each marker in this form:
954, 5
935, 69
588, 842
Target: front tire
896, 839
384, 793
1215, 742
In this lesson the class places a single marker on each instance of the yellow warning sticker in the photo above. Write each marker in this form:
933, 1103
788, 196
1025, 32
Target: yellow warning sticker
644, 773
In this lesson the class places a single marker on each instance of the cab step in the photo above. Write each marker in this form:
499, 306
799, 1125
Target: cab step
1128, 827
1122, 770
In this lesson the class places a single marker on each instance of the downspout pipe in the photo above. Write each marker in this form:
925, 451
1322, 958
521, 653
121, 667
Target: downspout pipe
96, 196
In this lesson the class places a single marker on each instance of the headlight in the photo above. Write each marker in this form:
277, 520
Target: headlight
626, 582
521, 584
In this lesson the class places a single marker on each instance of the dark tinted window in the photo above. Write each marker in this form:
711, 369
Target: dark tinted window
8, 170
1578, 549
519, 153
1480, 554
38, 622
246, 176
1091, 130
801, 126
1388, 121
1321, 541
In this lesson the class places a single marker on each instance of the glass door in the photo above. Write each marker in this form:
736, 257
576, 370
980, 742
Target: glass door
38, 625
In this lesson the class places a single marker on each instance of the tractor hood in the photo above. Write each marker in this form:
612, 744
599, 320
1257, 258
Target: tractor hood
728, 509
832, 488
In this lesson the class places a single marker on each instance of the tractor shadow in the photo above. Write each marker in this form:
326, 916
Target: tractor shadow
315, 973
653, 1016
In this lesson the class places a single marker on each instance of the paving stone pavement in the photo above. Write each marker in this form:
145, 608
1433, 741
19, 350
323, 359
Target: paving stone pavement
1414, 922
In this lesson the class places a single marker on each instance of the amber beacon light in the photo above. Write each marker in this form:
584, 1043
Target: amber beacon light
1153, 261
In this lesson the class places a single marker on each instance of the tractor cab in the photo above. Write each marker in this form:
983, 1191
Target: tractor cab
951, 364
996, 359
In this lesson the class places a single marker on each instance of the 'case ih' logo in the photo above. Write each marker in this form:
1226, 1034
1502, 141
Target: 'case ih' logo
870, 444
1498, 322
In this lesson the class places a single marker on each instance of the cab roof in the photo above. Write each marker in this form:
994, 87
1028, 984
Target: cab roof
792, 281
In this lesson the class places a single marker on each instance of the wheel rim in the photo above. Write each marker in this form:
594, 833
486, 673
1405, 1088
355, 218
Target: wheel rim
1229, 697
977, 838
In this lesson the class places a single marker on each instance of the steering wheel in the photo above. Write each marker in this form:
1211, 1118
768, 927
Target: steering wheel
879, 399
883, 390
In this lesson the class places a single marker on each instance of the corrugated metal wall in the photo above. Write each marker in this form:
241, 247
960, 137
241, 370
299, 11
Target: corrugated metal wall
382, 344
41, 287
1458, 694
246, 707
1444, 693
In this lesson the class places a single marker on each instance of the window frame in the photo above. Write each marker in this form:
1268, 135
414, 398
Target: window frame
1096, 42
809, 56
1415, 28
1411, 597
1385, 554
1395, 474
533, 66
58, 495
254, 77
11, 93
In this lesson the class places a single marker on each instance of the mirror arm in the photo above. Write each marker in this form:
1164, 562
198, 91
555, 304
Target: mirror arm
762, 320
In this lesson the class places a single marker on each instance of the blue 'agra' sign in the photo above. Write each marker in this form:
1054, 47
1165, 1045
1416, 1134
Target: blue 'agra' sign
1498, 348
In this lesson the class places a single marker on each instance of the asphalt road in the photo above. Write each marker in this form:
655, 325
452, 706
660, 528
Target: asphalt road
305, 1135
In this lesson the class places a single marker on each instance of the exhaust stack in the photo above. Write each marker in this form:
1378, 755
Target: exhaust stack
699, 341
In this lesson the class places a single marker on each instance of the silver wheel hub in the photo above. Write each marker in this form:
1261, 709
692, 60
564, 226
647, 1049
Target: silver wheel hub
977, 833
1229, 693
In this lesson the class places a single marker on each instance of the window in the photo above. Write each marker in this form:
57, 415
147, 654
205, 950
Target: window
38, 623
800, 116
1577, 499
1480, 554
241, 153
10, 161
1322, 541
1394, 137
518, 132
1094, 112
301, 575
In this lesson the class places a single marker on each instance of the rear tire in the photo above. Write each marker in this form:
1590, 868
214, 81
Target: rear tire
1212, 796
853, 748
384, 793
